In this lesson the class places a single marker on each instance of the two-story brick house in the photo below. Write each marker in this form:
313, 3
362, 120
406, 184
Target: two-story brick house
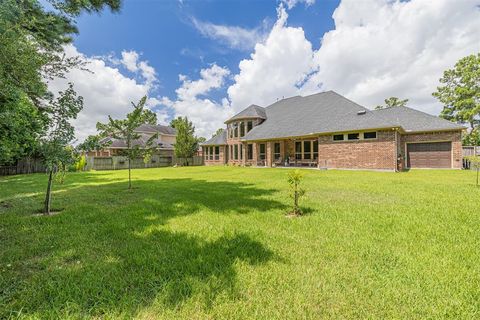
327, 130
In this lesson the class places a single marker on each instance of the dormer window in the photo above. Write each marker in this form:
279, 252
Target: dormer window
249, 126
242, 129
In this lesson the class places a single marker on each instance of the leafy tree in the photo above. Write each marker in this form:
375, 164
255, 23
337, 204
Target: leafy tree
125, 130
294, 179
393, 102
32, 43
186, 143
92, 143
472, 138
201, 139
54, 145
21, 125
460, 92
218, 132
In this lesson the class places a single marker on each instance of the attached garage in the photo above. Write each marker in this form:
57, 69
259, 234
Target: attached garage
429, 155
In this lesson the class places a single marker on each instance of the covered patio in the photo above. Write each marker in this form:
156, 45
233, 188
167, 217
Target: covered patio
283, 153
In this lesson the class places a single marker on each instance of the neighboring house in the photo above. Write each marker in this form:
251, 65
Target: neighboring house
165, 141
327, 130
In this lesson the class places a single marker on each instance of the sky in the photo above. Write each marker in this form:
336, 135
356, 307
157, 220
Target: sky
208, 60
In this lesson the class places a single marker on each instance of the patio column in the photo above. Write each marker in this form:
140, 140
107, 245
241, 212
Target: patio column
255, 153
244, 153
268, 156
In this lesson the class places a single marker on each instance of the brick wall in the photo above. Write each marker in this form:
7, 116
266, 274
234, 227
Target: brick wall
454, 136
377, 153
220, 161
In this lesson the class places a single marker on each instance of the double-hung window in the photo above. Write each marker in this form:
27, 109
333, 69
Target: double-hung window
298, 150
315, 149
211, 153
307, 149
276, 151
262, 151
217, 153
250, 151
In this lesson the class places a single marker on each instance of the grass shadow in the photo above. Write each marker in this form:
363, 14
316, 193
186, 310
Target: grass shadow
110, 253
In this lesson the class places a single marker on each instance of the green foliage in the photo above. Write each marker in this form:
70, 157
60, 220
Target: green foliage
186, 144
125, 130
472, 138
294, 179
31, 52
460, 92
93, 143
393, 102
54, 144
21, 124
80, 163
218, 132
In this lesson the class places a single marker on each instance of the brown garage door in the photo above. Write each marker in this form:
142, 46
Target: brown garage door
429, 155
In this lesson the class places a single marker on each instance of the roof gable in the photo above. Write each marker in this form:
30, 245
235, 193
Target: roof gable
156, 128
220, 139
253, 111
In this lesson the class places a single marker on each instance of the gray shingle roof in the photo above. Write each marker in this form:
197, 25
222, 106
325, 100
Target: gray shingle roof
156, 128
318, 113
253, 111
218, 140
118, 143
412, 120
329, 112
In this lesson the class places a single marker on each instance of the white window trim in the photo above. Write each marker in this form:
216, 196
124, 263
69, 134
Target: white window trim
360, 136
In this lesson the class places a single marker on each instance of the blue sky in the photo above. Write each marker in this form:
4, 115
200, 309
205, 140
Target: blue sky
210, 59
163, 32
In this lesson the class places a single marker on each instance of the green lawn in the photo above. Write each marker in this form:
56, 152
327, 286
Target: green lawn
213, 242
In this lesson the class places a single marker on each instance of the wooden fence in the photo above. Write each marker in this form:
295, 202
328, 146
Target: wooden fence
195, 161
121, 162
469, 151
23, 166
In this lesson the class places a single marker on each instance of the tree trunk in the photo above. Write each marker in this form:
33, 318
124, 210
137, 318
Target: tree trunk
295, 205
48, 196
129, 175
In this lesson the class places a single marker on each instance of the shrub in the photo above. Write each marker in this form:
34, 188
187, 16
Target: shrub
80, 163
294, 179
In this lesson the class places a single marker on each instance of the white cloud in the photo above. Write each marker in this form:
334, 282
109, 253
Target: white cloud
277, 68
233, 36
206, 114
379, 48
131, 61
383, 48
106, 91
292, 3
